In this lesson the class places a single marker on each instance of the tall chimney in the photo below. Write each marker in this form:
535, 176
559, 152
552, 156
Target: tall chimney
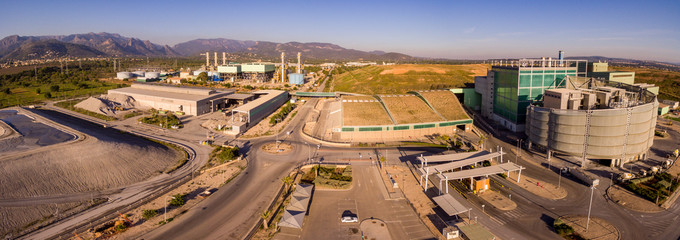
560, 55
215, 59
299, 66
207, 60
549, 61
283, 67
224, 58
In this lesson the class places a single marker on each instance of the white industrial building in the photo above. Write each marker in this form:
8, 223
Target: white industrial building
191, 101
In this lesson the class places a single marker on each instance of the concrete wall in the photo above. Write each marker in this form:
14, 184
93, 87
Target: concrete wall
610, 131
398, 132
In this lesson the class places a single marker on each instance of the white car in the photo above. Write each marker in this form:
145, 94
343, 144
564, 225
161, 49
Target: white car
348, 219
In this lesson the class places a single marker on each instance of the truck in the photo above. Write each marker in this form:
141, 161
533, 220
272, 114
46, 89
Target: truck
588, 178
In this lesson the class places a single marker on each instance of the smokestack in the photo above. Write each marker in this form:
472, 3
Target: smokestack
542, 61
549, 61
560, 56
207, 60
215, 59
283, 66
299, 66
224, 58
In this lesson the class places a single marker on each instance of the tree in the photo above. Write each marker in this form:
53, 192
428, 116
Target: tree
177, 200
38, 90
287, 181
54, 88
265, 215
48, 95
203, 76
6, 90
149, 213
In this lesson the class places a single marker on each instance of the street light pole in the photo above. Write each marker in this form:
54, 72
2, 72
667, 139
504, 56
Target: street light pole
592, 189
559, 180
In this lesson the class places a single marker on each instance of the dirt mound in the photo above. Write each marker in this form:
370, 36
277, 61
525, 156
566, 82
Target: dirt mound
97, 105
121, 100
85, 166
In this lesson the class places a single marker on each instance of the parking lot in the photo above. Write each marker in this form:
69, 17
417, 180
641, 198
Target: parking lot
366, 199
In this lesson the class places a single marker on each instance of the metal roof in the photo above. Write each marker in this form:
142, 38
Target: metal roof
266, 96
450, 157
239, 96
450, 205
465, 162
292, 219
482, 171
165, 94
475, 232
303, 190
298, 203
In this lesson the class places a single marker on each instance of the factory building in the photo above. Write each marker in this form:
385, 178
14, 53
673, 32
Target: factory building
229, 72
266, 102
191, 101
260, 72
511, 86
594, 119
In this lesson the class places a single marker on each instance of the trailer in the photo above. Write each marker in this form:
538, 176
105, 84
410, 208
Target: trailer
586, 177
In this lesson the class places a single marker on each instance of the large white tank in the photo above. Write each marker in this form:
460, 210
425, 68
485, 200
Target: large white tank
124, 75
198, 72
139, 73
152, 75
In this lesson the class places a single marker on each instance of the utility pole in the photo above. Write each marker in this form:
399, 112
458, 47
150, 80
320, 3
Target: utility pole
592, 189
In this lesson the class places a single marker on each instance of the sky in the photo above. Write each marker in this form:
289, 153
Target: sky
455, 29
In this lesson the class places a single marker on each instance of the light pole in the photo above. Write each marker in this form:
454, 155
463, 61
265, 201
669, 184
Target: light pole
165, 214
559, 180
483, 208
510, 196
592, 189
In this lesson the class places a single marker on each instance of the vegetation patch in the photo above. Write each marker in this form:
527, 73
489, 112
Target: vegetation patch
655, 189
564, 230
281, 115
168, 120
399, 79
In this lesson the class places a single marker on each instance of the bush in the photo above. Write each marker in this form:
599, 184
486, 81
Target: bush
149, 213
563, 229
54, 88
228, 154
6, 90
177, 200
48, 95
308, 177
38, 90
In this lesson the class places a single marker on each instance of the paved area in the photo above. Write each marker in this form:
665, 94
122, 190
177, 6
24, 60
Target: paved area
366, 199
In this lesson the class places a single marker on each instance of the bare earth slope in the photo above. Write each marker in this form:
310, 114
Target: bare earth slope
105, 159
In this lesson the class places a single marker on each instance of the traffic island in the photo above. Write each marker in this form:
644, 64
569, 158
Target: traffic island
374, 229
574, 227
277, 148
539, 188
498, 200
630, 200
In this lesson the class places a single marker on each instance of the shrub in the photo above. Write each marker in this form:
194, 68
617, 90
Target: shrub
54, 88
177, 200
149, 213
563, 229
228, 154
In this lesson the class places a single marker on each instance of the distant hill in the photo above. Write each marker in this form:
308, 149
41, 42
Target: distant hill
112, 44
108, 43
625, 62
318, 51
51, 48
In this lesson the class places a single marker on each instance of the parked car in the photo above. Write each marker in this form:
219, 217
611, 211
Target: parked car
348, 217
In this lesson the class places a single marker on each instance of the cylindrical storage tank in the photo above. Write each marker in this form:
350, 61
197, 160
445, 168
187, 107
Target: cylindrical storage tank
152, 75
198, 72
139, 73
124, 75
296, 78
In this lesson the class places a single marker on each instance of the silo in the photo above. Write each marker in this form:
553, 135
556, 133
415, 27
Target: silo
296, 78
124, 75
152, 75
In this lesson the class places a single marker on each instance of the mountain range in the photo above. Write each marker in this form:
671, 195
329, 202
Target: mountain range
114, 45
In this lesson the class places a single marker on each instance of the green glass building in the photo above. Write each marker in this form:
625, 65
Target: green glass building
517, 84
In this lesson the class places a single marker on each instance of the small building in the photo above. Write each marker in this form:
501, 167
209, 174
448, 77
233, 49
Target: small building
663, 109
598, 67
480, 184
671, 104
615, 76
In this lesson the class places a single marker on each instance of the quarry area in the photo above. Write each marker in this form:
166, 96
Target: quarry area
53, 165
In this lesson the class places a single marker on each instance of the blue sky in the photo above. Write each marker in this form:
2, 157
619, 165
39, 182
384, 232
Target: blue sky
447, 29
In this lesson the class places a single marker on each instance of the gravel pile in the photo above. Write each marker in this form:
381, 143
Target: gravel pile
97, 105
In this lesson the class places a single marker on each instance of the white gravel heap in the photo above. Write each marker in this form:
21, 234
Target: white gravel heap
106, 104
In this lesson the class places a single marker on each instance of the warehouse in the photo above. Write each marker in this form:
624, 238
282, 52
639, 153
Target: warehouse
191, 101
266, 103
600, 120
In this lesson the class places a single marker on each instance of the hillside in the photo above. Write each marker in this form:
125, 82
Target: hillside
51, 48
668, 81
399, 79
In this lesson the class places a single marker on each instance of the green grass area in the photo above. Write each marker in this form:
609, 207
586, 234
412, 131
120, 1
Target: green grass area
168, 120
132, 114
656, 188
399, 79
673, 118
668, 81
329, 176
69, 104
35, 85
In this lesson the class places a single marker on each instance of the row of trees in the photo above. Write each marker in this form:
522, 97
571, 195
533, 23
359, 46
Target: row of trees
278, 117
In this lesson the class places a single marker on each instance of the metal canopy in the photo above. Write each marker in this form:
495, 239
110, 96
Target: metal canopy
449, 157
450, 205
292, 219
465, 162
483, 171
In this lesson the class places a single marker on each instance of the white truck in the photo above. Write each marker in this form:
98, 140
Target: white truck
588, 178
